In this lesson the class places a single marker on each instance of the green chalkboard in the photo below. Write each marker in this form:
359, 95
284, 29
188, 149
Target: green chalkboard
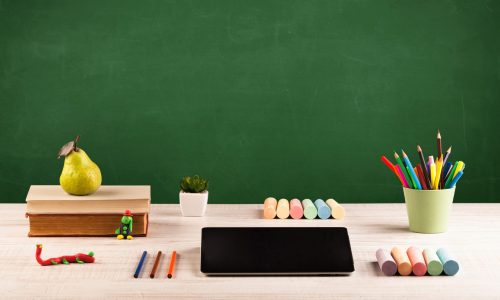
282, 98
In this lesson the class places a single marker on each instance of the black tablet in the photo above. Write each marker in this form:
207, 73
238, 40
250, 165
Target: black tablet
275, 250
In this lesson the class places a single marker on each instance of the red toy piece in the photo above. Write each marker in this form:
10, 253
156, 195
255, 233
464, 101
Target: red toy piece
66, 259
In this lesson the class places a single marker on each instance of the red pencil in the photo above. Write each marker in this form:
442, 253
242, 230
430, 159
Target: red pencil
388, 163
421, 177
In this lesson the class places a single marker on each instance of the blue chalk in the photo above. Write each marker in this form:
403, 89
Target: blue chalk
450, 265
324, 211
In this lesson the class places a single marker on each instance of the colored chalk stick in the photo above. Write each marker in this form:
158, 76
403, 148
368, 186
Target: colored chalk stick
338, 211
270, 208
450, 264
402, 261
417, 261
434, 265
324, 210
283, 209
296, 210
386, 262
310, 211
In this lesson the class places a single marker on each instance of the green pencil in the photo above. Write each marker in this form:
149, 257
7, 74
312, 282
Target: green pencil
403, 170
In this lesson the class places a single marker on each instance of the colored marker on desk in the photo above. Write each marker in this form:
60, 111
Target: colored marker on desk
141, 263
450, 265
296, 210
324, 210
310, 211
434, 265
171, 267
155, 266
410, 170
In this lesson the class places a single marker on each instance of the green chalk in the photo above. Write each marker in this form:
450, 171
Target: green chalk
434, 265
310, 211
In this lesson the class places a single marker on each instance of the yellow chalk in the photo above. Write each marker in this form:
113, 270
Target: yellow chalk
283, 210
338, 211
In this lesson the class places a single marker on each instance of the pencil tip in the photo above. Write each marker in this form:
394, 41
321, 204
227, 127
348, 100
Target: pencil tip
449, 149
419, 149
402, 151
396, 154
439, 134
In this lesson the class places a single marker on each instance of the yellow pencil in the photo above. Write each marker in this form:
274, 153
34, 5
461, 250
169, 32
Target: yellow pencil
439, 167
433, 175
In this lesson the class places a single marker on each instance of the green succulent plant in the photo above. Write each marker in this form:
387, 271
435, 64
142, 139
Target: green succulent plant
195, 184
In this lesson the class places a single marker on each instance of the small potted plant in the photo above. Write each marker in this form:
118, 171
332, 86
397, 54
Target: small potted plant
193, 196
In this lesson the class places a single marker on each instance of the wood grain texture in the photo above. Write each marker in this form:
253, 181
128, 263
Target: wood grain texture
473, 238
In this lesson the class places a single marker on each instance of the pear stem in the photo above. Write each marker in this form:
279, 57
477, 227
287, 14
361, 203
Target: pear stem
75, 148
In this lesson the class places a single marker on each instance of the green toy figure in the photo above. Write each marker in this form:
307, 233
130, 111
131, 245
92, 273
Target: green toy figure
125, 229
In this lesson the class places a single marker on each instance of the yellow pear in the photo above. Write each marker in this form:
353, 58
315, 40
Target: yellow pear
80, 175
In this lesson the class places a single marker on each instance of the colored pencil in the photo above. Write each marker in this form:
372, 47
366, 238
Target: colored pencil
455, 179
413, 183
448, 152
170, 273
410, 169
402, 177
433, 174
446, 171
389, 164
450, 176
139, 266
421, 176
424, 165
403, 170
439, 145
155, 266
439, 168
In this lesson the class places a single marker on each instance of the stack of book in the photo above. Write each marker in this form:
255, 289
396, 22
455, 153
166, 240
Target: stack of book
53, 212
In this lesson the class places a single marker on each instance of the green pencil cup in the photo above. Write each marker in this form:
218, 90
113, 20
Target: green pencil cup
428, 210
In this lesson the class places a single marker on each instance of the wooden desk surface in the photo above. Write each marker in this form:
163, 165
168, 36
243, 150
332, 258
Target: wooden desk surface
473, 236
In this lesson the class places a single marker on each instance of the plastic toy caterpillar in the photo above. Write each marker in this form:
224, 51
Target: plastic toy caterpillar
66, 259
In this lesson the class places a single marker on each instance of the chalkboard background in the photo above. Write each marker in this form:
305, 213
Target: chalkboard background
283, 98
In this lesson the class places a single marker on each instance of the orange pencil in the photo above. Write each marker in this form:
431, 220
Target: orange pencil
172, 264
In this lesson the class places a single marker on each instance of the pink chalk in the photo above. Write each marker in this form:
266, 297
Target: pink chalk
296, 210
417, 261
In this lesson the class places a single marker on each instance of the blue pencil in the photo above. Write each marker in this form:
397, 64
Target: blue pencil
412, 172
455, 179
141, 262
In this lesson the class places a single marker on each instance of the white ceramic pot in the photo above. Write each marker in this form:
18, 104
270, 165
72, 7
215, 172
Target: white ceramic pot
193, 204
